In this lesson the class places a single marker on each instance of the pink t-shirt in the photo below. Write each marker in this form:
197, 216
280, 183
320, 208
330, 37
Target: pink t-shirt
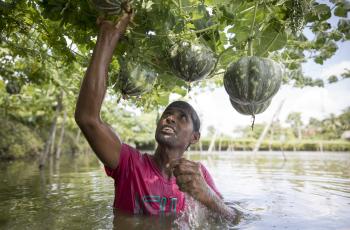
140, 187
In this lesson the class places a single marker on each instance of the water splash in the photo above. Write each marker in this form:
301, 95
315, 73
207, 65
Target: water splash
197, 216
193, 216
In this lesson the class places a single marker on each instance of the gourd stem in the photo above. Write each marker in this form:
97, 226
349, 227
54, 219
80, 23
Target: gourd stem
119, 98
253, 116
178, 35
188, 87
217, 61
251, 34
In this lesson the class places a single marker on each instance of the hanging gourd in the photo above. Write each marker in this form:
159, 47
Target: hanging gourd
192, 61
250, 108
13, 87
134, 78
253, 80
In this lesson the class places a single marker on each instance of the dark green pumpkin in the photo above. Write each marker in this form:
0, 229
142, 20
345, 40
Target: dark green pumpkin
134, 78
253, 80
13, 87
109, 7
250, 108
192, 62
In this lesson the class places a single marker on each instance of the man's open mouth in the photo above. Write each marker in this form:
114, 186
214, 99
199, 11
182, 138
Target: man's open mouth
168, 130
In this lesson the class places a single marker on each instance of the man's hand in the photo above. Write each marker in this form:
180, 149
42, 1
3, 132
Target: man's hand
189, 178
110, 32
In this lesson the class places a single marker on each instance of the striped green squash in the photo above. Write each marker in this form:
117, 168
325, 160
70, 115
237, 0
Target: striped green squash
253, 80
109, 7
250, 108
134, 78
192, 62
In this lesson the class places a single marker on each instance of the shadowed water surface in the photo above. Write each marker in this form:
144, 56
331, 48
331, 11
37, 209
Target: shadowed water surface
307, 191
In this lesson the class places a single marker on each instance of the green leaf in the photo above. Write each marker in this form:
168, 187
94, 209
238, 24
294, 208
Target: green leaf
323, 12
272, 38
344, 27
332, 79
342, 9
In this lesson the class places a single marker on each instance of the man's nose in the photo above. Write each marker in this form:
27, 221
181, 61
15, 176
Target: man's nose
170, 119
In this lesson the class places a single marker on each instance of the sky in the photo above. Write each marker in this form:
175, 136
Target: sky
215, 109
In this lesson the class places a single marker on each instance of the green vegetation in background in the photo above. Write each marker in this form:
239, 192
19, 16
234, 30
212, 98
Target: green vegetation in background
45, 46
41, 40
17, 140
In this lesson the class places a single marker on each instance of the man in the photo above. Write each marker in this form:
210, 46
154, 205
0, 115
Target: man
149, 184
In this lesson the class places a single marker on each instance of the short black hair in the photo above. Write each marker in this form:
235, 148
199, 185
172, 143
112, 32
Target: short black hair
188, 108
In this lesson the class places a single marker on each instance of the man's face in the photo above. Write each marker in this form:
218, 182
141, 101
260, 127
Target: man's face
175, 129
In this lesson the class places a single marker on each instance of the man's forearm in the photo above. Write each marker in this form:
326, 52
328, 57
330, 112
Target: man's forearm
94, 84
212, 201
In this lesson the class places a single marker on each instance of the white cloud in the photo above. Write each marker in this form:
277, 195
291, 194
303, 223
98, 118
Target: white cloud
335, 69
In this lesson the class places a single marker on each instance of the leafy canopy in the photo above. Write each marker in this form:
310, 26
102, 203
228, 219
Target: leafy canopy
46, 42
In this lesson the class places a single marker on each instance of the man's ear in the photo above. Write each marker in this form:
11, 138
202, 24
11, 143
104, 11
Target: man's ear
195, 137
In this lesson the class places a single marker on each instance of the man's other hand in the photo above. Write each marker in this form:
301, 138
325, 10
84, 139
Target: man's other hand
189, 178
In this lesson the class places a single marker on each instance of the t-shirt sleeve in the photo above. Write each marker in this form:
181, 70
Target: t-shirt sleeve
210, 180
126, 160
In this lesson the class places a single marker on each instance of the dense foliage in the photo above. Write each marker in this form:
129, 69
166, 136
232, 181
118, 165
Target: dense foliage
45, 46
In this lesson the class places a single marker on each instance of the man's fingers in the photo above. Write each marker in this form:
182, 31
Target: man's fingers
185, 168
186, 186
124, 20
99, 20
183, 179
175, 162
127, 8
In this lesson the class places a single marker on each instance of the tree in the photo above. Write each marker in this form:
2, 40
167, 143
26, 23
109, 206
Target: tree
65, 31
294, 119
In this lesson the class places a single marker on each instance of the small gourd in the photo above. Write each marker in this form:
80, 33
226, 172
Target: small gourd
135, 78
192, 61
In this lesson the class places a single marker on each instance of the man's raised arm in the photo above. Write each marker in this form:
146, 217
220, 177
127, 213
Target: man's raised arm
105, 143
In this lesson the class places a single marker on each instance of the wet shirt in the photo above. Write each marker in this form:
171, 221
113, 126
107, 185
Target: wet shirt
141, 189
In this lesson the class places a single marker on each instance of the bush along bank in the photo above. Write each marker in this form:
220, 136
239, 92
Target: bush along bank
18, 140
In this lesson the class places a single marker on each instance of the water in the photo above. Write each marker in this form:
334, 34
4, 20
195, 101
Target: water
307, 191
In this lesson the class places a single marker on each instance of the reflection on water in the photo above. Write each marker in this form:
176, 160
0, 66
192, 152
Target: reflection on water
307, 191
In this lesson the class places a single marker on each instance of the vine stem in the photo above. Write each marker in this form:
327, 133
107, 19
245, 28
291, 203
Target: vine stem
250, 39
175, 35
217, 61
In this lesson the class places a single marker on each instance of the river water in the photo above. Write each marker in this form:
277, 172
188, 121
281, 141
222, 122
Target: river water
307, 190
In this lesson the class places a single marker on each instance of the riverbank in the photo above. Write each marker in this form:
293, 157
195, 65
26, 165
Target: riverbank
19, 140
266, 145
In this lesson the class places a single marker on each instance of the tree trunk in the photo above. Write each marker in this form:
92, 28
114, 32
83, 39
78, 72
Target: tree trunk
270, 140
299, 133
76, 143
262, 135
53, 141
60, 140
50, 141
212, 143
58, 111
